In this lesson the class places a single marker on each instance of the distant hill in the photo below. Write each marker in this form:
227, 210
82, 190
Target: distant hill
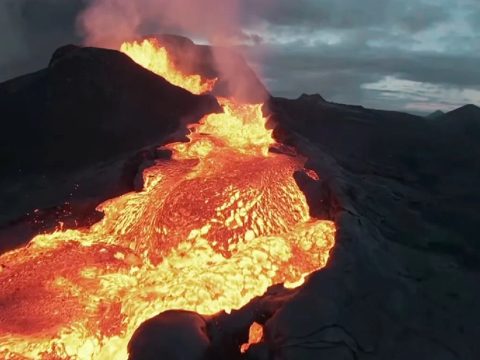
468, 111
463, 122
435, 115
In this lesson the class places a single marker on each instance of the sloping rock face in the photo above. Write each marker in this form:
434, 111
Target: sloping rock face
74, 134
403, 278
462, 124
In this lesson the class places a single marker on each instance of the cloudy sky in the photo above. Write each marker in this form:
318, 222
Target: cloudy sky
410, 55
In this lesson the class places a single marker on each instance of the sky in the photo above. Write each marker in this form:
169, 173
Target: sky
409, 55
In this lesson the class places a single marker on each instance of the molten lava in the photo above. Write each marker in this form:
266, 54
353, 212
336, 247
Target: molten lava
149, 54
255, 335
214, 227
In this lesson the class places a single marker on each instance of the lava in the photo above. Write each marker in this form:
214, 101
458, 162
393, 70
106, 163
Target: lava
255, 335
214, 227
149, 54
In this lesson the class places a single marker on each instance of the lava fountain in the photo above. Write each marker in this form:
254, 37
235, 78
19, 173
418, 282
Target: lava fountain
214, 226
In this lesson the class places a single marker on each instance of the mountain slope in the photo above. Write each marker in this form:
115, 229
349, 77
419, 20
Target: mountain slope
405, 195
74, 135
88, 105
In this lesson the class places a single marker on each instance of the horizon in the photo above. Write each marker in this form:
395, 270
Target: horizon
418, 57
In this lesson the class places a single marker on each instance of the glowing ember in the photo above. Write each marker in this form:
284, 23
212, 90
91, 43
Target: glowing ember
213, 228
149, 54
255, 335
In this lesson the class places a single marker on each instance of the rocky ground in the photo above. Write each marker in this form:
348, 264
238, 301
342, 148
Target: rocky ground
402, 282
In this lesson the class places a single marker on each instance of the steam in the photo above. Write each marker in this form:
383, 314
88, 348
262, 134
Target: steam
108, 23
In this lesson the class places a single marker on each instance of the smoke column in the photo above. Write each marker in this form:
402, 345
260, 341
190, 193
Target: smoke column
107, 23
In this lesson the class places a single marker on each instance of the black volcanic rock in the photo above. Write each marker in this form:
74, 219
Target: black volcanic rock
463, 122
184, 335
88, 105
435, 163
402, 280
171, 335
311, 98
469, 111
78, 130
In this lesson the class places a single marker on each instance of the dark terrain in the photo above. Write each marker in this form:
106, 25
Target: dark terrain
402, 282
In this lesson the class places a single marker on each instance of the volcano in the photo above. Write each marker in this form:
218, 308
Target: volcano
152, 212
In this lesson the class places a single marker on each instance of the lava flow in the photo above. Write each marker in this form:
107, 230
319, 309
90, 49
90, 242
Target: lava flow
214, 227
149, 54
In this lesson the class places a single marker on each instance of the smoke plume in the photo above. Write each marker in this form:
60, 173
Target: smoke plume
108, 23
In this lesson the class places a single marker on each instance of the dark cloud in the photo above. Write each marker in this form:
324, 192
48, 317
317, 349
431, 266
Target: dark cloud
30, 30
13, 46
336, 48
339, 71
474, 16
316, 14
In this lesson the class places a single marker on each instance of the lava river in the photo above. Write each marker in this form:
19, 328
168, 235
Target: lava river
214, 226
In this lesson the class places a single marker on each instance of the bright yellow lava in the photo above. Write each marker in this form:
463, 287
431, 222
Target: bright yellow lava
151, 55
214, 227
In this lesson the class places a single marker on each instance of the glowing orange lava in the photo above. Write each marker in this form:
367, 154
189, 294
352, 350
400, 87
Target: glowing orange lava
214, 227
255, 335
152, 56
